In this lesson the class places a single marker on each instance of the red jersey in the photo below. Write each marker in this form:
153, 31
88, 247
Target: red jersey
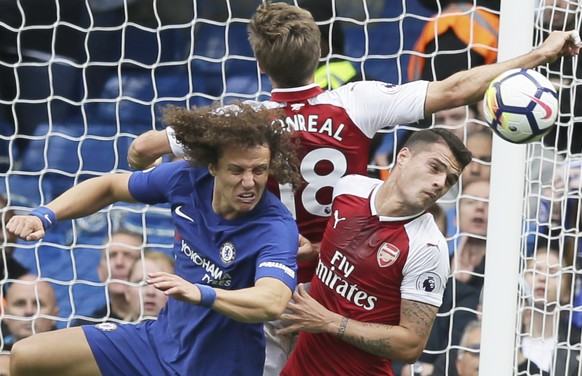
368, 264
334, 131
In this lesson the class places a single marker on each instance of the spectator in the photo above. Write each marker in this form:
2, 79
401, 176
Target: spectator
480, 144
31, 307
440, 217
468, 257
460, 120
467, 33
27, 302
462, 35
565, 74
145, 301
10, 267
464, 361
548, 337
467, 363
120, 252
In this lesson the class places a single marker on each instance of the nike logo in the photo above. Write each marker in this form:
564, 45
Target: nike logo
337, 218
46, 216
179, 213
543, 105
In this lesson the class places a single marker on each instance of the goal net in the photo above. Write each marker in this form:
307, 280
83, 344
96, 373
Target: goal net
79, 80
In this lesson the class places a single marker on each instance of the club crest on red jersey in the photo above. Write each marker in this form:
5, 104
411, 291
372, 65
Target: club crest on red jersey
387, 254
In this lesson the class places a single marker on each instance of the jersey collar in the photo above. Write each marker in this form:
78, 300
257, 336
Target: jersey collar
383, 218
296, 94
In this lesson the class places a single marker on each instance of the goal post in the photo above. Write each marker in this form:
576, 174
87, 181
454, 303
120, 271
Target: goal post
504, 228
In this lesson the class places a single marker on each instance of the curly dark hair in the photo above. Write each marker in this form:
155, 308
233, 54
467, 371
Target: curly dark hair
206, 132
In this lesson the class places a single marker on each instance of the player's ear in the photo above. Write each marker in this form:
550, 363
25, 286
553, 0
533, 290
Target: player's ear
212, 169
403, 155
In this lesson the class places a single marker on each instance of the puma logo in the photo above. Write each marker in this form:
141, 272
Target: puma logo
337, 218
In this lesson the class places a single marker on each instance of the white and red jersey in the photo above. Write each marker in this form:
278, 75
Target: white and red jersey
368, 264
334, 131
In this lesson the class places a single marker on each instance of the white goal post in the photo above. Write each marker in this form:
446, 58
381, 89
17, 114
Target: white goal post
504, 235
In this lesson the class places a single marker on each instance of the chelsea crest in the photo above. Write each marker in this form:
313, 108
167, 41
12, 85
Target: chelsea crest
227, 252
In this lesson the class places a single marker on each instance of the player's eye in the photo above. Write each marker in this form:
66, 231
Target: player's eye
260, 170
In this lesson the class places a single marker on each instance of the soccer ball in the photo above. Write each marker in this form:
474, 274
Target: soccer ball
521, 105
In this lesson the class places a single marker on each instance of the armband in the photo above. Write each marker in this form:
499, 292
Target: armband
47, 216
175, 145
207, 295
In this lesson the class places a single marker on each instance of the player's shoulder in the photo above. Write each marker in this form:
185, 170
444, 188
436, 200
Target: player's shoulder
355, 185
425, 230
164, 171
355, 88
273, 208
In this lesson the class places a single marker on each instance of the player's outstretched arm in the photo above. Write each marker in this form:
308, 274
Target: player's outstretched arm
404, 342
81, 200
467, 87
147, 149
263, 302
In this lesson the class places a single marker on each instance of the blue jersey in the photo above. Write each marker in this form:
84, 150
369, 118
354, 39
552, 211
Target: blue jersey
222, 253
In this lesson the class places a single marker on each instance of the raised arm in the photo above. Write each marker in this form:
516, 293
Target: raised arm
265, 301
404, 342
469, 86
147, 148
81, 200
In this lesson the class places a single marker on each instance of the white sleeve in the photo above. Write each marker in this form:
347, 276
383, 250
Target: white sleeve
374, 105
176, 146
427, 268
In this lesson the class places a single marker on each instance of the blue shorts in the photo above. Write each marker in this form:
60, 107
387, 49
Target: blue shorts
124, 349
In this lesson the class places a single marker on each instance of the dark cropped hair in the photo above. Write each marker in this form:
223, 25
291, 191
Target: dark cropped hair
206, 132
443, 136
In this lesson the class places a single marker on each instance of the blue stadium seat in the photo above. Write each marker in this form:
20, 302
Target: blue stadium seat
6, 131
63, 154
135, 98
244, 87
214, 43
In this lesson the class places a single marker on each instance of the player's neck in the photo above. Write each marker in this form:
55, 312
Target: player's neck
390, 203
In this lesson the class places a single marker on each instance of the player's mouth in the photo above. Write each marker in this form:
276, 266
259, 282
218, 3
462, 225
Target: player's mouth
247, 197
431, 195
